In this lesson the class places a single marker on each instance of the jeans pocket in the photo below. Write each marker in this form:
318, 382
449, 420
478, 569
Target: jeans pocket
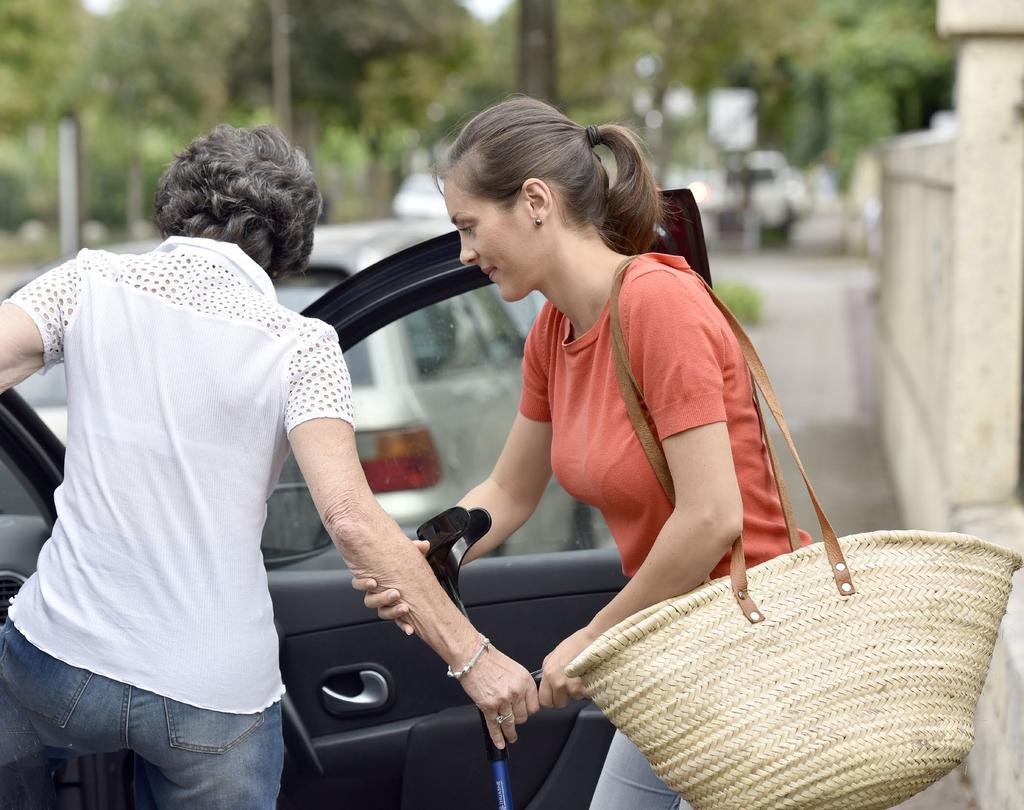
39, 682
207, 731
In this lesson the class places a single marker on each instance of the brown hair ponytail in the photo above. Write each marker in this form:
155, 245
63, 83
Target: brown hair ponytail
500, 148
635, 208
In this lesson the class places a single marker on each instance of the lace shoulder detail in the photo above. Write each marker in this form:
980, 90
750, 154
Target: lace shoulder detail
318, 380
51, 300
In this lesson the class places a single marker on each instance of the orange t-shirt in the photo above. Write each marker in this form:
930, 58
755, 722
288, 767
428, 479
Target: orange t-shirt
689, 366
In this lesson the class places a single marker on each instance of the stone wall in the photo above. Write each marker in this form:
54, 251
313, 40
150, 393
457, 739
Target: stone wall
996, 765
951, 324
914, 325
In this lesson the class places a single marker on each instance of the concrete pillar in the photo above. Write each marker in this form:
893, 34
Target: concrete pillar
987, 275
985, 367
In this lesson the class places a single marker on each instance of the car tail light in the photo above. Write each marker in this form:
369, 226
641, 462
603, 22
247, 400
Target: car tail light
398, 459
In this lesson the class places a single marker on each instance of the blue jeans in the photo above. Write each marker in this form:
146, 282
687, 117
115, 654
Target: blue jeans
184, 756
627, 781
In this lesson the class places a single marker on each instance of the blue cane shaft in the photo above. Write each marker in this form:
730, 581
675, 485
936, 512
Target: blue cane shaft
502, 786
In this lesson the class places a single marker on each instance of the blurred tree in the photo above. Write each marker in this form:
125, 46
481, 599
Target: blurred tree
166, 63
887, 71
380, 70
40, 46
377, 85
626, 55
856, 72
337, 48
538, 49
156, 65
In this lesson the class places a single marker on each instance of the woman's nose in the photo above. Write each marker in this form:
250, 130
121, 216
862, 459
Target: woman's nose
467, 255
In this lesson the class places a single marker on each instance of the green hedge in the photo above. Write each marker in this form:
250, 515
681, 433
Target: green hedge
744, 301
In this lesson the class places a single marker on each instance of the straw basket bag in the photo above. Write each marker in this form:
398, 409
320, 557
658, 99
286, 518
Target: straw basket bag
851, 683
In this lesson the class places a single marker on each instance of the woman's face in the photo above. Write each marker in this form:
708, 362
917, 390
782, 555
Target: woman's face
500, 239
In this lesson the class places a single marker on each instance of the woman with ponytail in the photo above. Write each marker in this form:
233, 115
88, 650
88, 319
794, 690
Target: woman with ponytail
535, 209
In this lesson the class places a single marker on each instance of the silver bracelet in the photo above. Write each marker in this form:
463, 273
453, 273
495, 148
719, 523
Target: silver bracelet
484, 644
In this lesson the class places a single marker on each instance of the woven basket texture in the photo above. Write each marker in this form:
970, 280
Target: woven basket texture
831, 703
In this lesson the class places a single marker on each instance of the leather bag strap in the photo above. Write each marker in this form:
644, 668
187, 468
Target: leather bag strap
640, 418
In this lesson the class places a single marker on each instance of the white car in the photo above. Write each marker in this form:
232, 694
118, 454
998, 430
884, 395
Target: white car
338, 252
419, 196
778, 192
435, 394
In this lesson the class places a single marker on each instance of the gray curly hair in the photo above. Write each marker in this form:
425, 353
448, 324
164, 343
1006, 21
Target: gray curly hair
247, 186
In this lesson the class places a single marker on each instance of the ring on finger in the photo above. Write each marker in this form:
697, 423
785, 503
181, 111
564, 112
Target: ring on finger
503, 718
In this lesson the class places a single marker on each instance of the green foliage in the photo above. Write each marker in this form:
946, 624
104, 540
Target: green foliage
378, 85
696, 44
165, 63
39, 51
28, 165
362, 63
742, 300
860, 71
16, 252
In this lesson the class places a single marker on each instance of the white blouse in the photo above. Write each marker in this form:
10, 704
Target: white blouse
184, 377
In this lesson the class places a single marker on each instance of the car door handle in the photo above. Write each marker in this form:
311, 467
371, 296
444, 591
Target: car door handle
374, 695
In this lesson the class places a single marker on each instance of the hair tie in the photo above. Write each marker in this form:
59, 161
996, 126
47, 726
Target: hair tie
594, 136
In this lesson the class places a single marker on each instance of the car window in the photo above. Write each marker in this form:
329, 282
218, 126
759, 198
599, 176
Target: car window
445, 338
301, 291
497, 329
461, 334
447, 382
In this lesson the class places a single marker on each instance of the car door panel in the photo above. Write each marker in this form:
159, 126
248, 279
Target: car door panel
23, 537
558, 751
424, 749
438, 761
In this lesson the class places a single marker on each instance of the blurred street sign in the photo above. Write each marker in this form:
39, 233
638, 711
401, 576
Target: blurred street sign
732, 118
680, 102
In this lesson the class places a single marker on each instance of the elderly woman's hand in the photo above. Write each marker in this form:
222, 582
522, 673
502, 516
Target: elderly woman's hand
388, 601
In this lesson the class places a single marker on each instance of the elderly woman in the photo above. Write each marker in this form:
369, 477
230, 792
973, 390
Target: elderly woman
148, 624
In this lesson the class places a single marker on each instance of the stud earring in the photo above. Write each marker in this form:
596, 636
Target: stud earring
538, 222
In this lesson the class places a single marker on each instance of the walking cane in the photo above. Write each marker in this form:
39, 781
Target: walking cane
451, 534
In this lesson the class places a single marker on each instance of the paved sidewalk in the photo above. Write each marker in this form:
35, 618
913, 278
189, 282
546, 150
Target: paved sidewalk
816, 339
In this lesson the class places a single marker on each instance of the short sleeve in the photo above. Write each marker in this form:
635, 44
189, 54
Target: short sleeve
319, 385
535, 403
51, 302
676, 348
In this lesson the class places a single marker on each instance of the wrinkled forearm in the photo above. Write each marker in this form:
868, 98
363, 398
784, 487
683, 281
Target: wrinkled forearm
372, 544
374, 547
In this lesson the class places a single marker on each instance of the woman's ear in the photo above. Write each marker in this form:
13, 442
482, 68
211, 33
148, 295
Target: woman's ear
538, 199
